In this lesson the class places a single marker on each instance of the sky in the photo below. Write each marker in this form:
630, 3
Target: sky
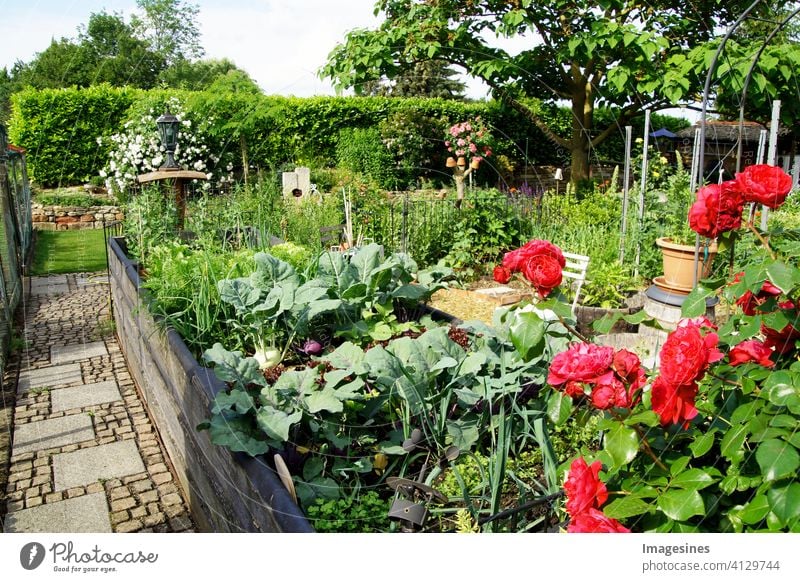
280, 43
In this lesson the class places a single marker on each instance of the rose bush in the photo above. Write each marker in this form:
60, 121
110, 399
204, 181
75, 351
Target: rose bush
469, 139
708, 441
540, 262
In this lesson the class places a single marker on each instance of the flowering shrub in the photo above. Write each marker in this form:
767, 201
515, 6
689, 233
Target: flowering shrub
709, 442
540, 262
138, 150
469, 139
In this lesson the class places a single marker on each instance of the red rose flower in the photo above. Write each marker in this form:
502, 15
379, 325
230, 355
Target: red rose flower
595, 521
749, 302
574, 389
582, 362
751, 351
544, 273
629, 369
718, 209
782, 341
610, 394
686, 355
584, 488
517, 259
764, 184
674, 403
502, 274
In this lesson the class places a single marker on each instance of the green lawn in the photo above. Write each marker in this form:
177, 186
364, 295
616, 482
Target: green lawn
70, 251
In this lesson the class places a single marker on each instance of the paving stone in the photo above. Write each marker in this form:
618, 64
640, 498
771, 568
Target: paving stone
180, 523
86, 395
102, 462
51, 285
52, 433
48, 377
86, 514
74, 352
129, 526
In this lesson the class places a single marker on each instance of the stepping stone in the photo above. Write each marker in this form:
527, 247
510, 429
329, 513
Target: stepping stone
86, 395
84, 280
49, 377
51, 433
71, 353
87, 466
84, 514
53, 285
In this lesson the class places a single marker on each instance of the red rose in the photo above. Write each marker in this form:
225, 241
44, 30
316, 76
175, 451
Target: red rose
610, 394
718, 209
764, 184
544, 273
673, 403
782, 341
582, 362
584, 488
686, 355
574, 389
517, 259
502, 274
595, 521
751, 351
749, 302
628, 368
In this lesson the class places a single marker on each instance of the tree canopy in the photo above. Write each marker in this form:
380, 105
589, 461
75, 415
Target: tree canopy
624, 54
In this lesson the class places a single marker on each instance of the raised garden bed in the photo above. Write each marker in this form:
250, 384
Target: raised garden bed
227, 492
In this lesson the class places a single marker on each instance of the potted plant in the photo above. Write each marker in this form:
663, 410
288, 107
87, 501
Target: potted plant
678, 242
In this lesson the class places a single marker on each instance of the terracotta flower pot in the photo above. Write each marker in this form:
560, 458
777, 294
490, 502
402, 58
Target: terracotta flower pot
679, 273
475, 164
451, 162
461, 161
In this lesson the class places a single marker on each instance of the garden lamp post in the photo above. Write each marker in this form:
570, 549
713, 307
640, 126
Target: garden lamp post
168, 129
171, 173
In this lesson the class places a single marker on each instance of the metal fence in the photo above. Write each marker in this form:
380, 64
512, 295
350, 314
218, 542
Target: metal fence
15, 236
428, 227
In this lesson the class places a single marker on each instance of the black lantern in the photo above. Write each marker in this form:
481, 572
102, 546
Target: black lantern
168, 126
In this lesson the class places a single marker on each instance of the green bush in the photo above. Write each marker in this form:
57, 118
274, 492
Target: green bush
65, 199
60, 129
362, 151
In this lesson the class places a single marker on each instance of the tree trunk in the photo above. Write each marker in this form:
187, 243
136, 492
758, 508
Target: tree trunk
245, 160
580, 144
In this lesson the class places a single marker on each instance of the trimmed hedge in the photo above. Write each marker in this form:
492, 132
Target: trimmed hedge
60, 127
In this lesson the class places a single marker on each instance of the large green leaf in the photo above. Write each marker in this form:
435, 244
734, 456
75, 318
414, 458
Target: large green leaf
733, 441
702, 443
755, 511
782, 388
777, 459
464, 433
271, 270
695, 303
366, 260
410, 292
324, 399
239, 293
527, 334
236, 433
627, 506
237, 400
681, 505
559, 407
782, 276
232, 367
622, 444
347, 356
276, 423
785, 502
695, 479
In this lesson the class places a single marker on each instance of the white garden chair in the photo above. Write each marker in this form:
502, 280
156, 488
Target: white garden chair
575, 272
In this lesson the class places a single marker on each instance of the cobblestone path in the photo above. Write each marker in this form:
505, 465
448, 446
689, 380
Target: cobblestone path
85, 456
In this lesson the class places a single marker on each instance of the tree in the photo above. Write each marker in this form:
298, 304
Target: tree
197, 75
62, 64
624, 54
422, 79
170, 28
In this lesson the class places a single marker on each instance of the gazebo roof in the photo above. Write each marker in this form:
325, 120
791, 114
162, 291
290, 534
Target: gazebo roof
725, 131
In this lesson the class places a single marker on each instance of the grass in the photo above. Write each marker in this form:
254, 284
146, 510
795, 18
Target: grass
71, 251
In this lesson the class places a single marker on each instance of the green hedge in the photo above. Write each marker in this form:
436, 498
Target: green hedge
60, 127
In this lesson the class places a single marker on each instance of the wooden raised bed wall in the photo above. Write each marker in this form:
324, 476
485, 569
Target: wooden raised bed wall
227, 492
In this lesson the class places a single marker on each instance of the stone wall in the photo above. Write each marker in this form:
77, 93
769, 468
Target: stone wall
73, 217
227, 492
